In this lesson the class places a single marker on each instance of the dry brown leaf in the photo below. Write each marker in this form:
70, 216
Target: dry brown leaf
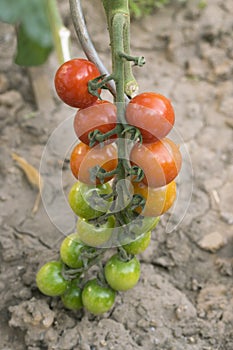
32, 175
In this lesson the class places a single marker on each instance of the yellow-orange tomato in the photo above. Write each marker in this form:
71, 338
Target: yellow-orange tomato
160, 161
158, 200
83, 158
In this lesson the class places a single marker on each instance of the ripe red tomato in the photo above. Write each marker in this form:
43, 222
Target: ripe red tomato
158, 200
101, 116
160, 161
83, 158
152, 114
71, 82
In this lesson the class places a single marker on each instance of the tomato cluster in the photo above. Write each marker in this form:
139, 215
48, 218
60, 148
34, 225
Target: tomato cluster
94, 161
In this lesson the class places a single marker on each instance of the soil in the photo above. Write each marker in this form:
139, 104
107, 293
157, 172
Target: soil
184, 300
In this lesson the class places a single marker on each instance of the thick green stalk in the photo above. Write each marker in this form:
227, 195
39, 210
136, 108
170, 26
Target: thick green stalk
117, 13
120, 9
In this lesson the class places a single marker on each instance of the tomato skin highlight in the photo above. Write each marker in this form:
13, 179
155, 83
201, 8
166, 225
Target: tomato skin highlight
70, 251
161, 161
101, 115
82, 196
152, 114
122, 275
97, 299
71, 82
49, 279
95, 236
83, 158
158, 200
139, 245
72, 298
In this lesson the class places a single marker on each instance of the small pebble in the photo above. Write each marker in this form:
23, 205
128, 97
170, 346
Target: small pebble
212, 242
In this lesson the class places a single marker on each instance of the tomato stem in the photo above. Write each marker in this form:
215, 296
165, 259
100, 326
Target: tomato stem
138, 60
91, 256
98, 83
118, 18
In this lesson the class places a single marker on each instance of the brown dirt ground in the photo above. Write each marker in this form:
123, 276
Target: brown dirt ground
184, 300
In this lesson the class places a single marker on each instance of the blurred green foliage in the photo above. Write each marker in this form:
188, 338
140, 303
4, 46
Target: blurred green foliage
139, 8
34, 39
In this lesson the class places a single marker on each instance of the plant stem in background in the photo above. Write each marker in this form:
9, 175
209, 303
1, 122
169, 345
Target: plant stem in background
61, 35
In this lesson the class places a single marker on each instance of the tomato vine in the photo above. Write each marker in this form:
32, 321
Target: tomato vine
123, 142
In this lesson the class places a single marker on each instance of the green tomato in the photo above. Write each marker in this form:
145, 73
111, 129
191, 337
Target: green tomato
95, 235
143, 224
139, 245
86, 200
96, 298
155, 222
49, 279
70, 251
122, 275
72, 298
130, 232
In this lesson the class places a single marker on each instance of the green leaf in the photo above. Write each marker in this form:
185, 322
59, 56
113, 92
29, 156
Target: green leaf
11, 10
36, 23
34, 35
30, 52
32, 14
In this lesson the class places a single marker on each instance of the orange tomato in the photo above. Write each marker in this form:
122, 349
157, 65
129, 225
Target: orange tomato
83, 158
158, 200
160, 161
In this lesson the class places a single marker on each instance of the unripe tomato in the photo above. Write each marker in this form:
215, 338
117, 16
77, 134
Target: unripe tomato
70, 251
143, 225
126, 234
83, 158
160, 161
86, 201
49, 279
158, 200
139, 245
71, 82
72, 298
95, 235
152, 114
96, 298
101, 115
122, 275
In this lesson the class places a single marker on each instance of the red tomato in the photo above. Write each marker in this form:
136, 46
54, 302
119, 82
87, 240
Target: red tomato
160, 161
158, 200
101, 116
83, 158
71, 82
152, 114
